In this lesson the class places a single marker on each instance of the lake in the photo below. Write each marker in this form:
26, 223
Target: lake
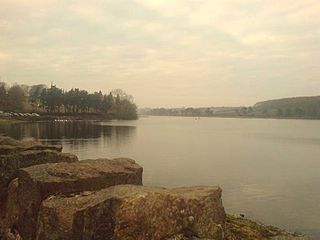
268, 169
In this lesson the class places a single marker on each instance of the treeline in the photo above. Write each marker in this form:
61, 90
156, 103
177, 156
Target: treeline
192, 111
298, 107
39, 98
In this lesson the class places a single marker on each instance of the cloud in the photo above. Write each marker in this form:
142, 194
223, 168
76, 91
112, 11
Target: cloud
165, 52
3, 56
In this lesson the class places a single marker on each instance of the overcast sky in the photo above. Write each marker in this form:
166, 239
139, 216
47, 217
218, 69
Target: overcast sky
165, 52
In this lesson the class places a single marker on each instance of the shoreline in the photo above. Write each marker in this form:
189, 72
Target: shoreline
232, 117
53, 117
11, 120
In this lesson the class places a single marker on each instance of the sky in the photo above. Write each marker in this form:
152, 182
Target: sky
166, 53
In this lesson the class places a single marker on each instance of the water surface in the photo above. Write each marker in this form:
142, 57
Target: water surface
268, 169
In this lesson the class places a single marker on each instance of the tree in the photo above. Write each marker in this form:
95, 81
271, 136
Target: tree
107, 103
127, 110
16, 98
3, 97
243, 110
279, 112
52, 99
122, 95
299, 112
34, 95
83, 100
96, 100
288, 112
208, 112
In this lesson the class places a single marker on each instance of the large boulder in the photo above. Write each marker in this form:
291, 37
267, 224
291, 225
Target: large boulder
10, 163
133, 213
40, 181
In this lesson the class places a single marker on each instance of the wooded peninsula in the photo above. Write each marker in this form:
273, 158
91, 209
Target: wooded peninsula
55, 101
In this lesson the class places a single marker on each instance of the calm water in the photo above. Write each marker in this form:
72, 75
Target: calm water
268, 169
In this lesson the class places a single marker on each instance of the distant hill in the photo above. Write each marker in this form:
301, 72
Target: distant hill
297, 107
289, 102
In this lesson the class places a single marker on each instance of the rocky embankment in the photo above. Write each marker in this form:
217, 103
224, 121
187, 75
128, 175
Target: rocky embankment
47, 194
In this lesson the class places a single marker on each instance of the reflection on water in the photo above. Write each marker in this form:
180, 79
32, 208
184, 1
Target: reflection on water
72, 132
268, 169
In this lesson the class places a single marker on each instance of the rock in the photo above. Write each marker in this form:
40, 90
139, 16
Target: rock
133, 213
4, 140
239, 228
9, 141
182, 237
12, 234
7, 149
10, 146
288, 237
40, 181
10, 163
57, 148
